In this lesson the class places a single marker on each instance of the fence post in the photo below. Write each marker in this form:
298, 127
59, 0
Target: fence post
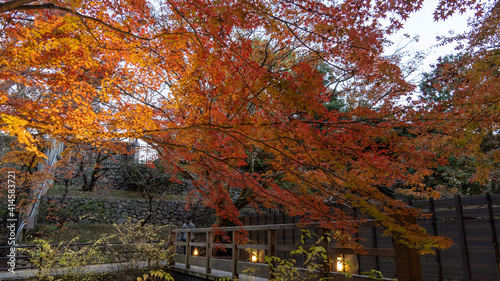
188, 248
172, 237
208, 248
463, 238
493, 231
408, 265
375, 246
327, 262
236, 257
435, 232
271, 239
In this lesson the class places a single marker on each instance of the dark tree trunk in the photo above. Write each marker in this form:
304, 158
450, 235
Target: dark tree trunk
150, 210
94, 176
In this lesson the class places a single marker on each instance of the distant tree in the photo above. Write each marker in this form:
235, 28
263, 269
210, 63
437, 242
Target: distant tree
150, 179
462, 92
445, 77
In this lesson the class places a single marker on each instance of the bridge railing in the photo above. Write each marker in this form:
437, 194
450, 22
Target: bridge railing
209, 249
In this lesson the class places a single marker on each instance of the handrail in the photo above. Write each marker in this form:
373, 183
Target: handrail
235, 265
258, 227
37, 203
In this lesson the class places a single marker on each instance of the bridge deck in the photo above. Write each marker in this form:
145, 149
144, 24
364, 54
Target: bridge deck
199, 271
195, 271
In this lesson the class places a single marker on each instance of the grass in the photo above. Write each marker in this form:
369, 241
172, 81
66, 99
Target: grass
54, 234
130, 274
86, 233
76, 191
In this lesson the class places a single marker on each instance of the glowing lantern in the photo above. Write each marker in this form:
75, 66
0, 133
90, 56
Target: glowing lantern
340, 264
254, 257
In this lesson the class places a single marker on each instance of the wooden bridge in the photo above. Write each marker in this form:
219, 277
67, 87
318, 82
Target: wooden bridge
471, 222
209, 256
212, 254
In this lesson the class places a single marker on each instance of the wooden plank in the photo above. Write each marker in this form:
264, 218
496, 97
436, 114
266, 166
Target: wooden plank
495, 199
375, 245
280, 235
279, 218
463, 238
444, 203
258, 270
435, 232
253, 234
208, 242
235, 257
188, 249
408, 265
254, 246
271, 238
254, 220
480, 212
294, 226
198, 261
198, 244
220, 264
493, 231
471, 212
222, 245
445, 214
479, 200
424, 204
326, 262
270, 219
369, 252
179, 258
261, 235
172, 239
286, 248
246, 221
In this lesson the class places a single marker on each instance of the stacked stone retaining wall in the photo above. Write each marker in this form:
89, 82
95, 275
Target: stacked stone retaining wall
118, 210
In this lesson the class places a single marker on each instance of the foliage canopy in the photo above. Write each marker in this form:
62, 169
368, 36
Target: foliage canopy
207, 82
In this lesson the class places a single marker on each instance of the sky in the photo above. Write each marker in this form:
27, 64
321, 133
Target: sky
422, 24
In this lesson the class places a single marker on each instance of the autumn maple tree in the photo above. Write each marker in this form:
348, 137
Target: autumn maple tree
208, 84
463, 94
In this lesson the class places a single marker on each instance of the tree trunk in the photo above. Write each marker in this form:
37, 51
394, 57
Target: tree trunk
150, 210
89, 186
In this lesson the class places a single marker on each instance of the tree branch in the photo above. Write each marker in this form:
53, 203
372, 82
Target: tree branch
50, 6
13, 5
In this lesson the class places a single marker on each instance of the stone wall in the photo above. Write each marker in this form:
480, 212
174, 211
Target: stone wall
117, 210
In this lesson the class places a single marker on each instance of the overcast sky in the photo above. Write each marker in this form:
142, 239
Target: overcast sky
422, 24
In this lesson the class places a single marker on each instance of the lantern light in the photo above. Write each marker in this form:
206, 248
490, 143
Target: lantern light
340, 264
195, 252
254, 257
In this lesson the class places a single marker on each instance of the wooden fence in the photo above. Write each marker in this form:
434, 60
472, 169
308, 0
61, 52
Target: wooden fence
381, 257
471, 222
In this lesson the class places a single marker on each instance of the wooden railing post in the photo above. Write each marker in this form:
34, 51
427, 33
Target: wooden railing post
326, 268
408, 265
208, 248
271, 240
235, 257
188, 248
172, 237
